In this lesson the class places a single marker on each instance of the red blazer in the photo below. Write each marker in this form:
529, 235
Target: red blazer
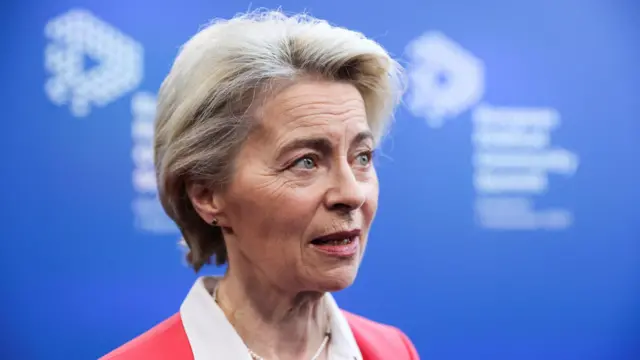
168, 341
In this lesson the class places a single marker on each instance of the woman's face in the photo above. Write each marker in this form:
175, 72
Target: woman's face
304, 191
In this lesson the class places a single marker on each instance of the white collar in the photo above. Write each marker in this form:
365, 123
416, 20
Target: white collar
212, 337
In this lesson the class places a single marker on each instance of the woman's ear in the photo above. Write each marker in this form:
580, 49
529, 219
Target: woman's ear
206, 202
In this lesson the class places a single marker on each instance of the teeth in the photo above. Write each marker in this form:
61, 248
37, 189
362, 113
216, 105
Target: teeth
345, 241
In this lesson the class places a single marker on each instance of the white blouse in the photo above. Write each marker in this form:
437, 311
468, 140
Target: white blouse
212, 337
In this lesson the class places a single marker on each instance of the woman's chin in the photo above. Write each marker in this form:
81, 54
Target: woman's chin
336, 279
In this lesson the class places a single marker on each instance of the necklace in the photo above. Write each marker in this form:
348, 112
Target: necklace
315, 356
254, 356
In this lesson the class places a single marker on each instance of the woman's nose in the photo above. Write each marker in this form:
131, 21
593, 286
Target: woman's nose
345, 193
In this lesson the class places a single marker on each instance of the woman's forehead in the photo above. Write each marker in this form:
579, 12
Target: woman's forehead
315, 107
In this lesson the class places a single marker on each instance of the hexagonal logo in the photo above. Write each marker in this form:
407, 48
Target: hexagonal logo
445, 78
91, 62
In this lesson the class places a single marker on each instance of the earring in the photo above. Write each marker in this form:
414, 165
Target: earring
214, 222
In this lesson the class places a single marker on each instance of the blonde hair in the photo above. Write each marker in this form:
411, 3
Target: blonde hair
203, 113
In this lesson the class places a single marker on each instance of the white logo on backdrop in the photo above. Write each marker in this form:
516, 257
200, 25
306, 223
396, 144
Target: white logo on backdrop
76, 38
445, 85
513, 155
78, 35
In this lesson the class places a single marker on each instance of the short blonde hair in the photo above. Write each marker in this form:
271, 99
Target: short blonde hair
203, 113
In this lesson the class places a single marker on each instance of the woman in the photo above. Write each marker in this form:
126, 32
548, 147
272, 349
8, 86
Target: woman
265, 134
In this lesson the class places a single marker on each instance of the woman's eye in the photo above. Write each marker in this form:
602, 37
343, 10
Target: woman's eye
363, 159
305, 163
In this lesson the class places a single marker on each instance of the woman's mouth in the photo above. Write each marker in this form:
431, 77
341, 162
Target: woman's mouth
343, 244
344, 241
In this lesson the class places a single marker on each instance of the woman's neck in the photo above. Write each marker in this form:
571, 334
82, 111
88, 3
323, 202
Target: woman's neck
273, 323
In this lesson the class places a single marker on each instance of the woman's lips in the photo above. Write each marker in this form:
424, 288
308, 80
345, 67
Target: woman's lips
343, 244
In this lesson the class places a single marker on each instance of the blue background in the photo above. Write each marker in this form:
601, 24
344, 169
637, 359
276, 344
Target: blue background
80, 278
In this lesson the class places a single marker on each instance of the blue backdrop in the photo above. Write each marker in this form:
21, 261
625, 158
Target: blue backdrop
508, 224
